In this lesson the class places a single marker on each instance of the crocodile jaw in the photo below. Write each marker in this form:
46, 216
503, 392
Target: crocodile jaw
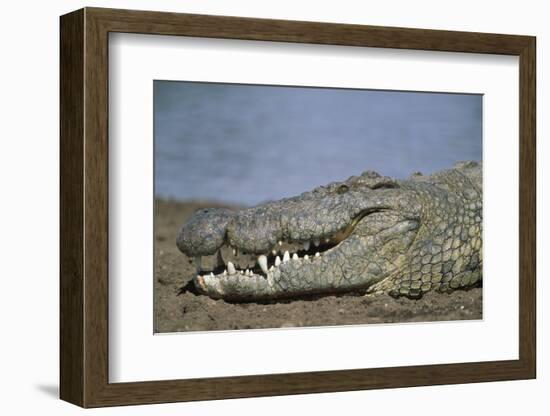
331, 270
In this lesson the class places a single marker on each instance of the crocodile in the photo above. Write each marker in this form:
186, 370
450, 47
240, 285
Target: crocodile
369, 234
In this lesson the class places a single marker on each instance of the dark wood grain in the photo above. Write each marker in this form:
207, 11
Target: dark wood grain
96, 218
71, 100
84, 207
226, 27
527, 208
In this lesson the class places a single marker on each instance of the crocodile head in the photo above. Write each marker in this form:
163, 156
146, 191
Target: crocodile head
344, 236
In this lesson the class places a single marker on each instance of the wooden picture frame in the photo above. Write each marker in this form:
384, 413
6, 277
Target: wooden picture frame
84, 207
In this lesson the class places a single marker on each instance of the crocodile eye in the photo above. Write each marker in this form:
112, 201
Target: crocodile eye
342, 189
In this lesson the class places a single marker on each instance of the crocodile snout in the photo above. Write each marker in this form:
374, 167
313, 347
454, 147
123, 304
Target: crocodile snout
204, 233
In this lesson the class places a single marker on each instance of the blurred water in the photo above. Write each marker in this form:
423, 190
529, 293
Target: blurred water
248, 144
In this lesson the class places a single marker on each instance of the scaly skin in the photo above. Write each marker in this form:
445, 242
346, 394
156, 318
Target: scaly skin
375, 234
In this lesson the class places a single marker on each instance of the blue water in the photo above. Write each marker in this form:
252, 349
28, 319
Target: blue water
247, 144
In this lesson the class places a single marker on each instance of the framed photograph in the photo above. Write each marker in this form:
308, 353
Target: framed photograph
254, 207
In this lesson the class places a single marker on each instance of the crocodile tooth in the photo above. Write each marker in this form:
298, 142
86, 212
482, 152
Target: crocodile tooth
306, 245
262, 261
231, 268
327, 240
280, 243
241, 271
286, 257
277, 261
317, 254
225, 272
211, 274
295, 257
316, 242
306, 257
271, 268
274, 252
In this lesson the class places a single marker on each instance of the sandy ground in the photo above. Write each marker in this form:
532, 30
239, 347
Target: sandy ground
180, 310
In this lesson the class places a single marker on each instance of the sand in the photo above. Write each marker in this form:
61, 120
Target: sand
179, 310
